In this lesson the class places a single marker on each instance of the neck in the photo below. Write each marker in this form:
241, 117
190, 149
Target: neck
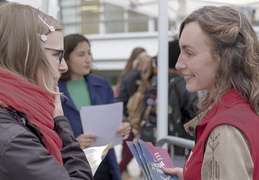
76, 78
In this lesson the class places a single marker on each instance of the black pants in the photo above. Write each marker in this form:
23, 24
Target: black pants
103, 171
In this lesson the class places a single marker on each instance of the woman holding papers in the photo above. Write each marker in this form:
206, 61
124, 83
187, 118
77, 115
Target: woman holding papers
220, 53
81, 88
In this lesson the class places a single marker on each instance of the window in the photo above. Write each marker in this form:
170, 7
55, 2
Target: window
113, 18
90, 17
137, 22
95, 17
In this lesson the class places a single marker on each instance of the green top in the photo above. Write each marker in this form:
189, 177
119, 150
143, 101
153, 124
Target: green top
79, 93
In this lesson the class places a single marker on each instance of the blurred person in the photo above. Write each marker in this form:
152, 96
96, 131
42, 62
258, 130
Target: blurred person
37, 141
135, 52
220, 53
182, 105
126, 154
130, 83
85, 89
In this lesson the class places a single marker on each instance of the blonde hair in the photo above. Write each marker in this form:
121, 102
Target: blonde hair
234, 44
21, 49
140, 60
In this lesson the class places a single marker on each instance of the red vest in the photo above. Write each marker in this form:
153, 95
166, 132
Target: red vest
231, 110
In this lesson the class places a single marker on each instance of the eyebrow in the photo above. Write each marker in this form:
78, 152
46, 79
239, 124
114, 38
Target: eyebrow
187, 46
55, 50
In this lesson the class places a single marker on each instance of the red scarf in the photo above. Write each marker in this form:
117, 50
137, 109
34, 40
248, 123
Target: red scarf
36, 103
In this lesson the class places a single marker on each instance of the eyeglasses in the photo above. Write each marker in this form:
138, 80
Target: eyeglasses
58, 51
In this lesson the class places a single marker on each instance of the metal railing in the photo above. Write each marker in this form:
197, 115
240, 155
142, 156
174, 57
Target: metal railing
178, 141
171, 142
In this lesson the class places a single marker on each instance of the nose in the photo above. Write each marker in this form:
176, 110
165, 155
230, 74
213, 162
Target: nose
180, 65
88, 58
62, 68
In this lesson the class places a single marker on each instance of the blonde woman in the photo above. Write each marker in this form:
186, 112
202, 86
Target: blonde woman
36, 140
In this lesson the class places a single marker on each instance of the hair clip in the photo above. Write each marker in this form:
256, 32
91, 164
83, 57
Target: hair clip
51, 28
43, 37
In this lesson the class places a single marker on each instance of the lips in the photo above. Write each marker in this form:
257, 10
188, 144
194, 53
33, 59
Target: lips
187, 77
87, 66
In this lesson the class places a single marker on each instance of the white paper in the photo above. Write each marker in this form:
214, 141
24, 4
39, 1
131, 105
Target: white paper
103, 120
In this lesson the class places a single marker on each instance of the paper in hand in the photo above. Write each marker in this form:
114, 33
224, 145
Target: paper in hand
103, 120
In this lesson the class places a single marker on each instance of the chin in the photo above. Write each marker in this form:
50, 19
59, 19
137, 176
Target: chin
191, 89
87, 72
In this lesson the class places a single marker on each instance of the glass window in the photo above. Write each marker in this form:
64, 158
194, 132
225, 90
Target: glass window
113, 18
137, 22
90, 16
95, 17
90, 28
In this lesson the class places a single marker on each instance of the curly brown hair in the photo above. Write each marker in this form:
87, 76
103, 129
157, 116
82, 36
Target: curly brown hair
235, 45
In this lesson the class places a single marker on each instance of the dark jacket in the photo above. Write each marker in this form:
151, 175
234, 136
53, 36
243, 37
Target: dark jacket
183, 105
23, 156
101, 93
127, 88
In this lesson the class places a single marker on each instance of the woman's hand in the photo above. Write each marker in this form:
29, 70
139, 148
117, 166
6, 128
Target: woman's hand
174, 171
124, 130
85, 140
58, 106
